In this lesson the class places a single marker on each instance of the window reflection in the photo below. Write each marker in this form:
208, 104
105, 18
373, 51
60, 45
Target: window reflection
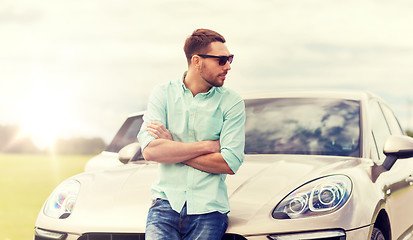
126, 134
303, 126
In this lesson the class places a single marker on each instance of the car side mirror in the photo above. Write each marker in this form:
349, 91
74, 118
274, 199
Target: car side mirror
130, 151
397, 147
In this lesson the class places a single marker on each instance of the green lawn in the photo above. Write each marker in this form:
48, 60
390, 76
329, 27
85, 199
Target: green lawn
25, 183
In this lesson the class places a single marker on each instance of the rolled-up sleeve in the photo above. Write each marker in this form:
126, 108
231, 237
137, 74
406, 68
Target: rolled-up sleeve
232, 137
156, 111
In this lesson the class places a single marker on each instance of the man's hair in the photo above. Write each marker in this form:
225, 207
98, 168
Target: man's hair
198, 42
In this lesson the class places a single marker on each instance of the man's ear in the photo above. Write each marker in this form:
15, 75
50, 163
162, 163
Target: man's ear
196, 61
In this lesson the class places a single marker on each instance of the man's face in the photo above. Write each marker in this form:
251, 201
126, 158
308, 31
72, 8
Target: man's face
213, 73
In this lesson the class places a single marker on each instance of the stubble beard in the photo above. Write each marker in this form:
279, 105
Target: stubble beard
213, 81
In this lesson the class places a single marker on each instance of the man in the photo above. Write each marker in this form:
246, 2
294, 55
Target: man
194, 128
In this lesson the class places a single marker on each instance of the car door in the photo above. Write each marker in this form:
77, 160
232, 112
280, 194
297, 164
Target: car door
397, 188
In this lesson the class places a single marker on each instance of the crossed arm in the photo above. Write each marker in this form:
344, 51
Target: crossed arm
204, 155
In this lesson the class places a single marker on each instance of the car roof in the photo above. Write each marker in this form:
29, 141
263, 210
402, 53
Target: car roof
343, 94
358, 95
140, 113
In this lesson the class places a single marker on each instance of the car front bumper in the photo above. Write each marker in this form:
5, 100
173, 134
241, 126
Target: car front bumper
335, 234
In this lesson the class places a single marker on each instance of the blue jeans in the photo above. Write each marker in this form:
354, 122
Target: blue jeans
164, 223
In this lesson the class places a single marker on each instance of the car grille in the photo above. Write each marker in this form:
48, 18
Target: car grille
137, 236
228, 236
113, 236
43, 238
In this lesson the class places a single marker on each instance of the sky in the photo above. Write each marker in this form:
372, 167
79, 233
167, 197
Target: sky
79, 68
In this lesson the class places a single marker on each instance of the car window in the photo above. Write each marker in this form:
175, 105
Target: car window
315, 126
127, 134
392, 121
379, 127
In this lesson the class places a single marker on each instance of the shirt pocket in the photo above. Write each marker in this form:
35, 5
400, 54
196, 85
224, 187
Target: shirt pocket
208, 128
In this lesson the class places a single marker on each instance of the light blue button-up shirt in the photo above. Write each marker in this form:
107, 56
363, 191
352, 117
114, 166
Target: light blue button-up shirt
218, 114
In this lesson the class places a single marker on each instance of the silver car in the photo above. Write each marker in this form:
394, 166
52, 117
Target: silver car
318, 165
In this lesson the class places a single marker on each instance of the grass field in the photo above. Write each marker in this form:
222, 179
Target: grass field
25, 183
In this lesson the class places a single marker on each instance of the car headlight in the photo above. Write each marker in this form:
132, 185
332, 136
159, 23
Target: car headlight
61, 202
321, 196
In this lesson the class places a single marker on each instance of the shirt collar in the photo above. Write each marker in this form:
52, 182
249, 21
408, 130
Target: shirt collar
210, 92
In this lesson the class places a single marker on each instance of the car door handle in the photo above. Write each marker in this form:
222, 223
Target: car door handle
409, 179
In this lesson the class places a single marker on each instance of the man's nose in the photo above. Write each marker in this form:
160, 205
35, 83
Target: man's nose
227, 66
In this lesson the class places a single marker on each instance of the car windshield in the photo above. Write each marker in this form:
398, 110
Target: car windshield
314, 126
127, 134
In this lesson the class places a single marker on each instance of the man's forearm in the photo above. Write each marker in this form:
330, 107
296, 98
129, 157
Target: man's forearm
169, 151
212, 163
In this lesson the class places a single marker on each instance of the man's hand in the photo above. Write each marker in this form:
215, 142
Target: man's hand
215, 146
158, 131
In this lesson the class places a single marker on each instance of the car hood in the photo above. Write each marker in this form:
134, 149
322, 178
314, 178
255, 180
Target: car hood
265, 180
117, 200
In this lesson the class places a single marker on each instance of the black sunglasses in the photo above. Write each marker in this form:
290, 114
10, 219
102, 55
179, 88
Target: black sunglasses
222, 60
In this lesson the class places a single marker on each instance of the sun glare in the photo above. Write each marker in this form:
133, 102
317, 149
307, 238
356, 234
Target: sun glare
43, 117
